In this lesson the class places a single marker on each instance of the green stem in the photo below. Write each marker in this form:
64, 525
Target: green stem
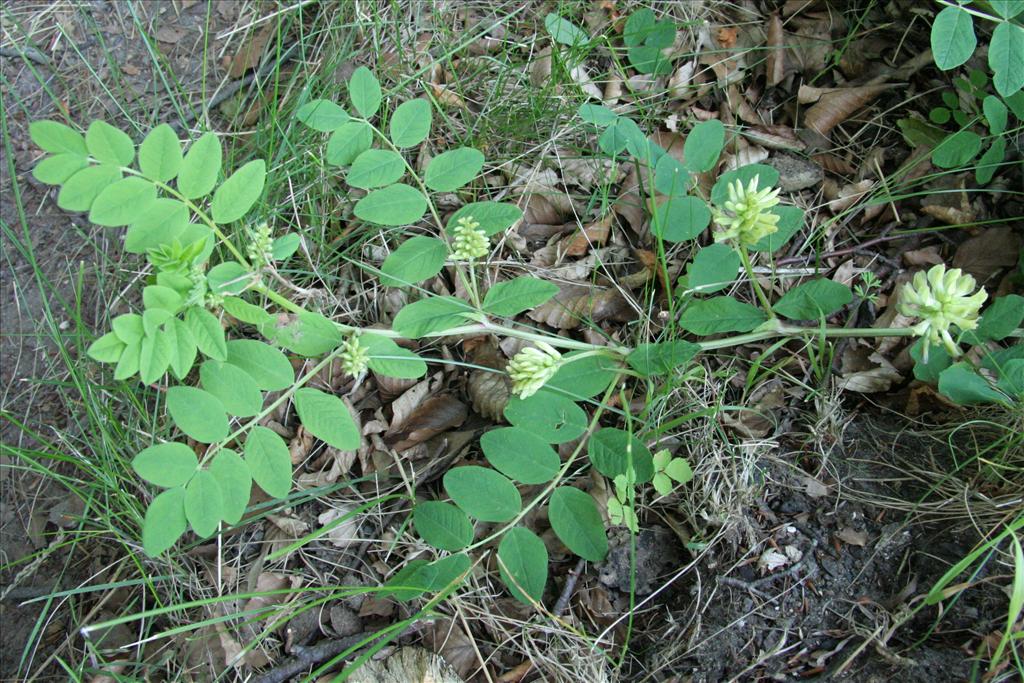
745, 257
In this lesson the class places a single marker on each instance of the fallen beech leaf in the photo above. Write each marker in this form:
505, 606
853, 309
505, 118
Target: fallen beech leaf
170, 34
403, 406
594, 234
291, 526
250, 53
453, 644
267, 581
344, 533
576, 303
838, 104
726, 36
983, 256
775, 63
922, 257
814, 488
850, 195
435, 415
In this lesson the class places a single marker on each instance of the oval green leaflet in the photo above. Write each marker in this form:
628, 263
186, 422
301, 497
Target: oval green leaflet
523, 564
577, 522
327, 418
520, 455
410, 123
549, 416
442, 525
483, 493
197, 413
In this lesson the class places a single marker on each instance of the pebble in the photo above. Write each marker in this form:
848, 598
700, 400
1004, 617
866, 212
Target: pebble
796, 173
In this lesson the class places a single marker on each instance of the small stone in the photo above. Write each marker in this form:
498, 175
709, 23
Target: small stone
796, 173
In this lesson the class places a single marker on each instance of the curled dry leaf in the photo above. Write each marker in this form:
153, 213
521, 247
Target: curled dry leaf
403, 406
852, 536
250, 53
489, 392
774, 137
679, 85
581, 76
595, 234
433, 416
775, 63
835, 105
575, 303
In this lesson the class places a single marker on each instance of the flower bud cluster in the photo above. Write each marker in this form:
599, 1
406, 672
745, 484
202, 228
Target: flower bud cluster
746, 216
943, 300
470, 242
354, 357
260, 249
532, 367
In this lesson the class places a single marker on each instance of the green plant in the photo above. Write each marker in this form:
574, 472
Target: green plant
207, 276
953, 41
970, 104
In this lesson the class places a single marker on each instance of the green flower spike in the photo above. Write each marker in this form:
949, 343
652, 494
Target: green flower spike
355, 357
470, 242
746, 216
942, 299
532, 367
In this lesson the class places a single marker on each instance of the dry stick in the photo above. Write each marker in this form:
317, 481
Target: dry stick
306, 657
841, 252
29, 53
570, 587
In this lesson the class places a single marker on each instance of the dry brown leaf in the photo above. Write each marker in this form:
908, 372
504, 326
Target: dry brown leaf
814, 488
453, 644
775, 64
170, 34
402, 407
867, 372
837, 104
574, 303
431, 417
407, 665
268, 581
922, 257
726, 36
992, 250
852, 536
582, 241
344, 533
250, 53
489, 392
291, 526
849, 195
774, 137
833, 164
377, 607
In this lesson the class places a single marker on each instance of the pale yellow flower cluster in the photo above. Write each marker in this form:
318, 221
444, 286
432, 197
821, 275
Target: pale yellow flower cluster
470, 242
532, 367
942, 299
746, 216
354, 357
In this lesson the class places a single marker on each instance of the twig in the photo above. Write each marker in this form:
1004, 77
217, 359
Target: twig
29, 53
569, 588
306, 657
840, 252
